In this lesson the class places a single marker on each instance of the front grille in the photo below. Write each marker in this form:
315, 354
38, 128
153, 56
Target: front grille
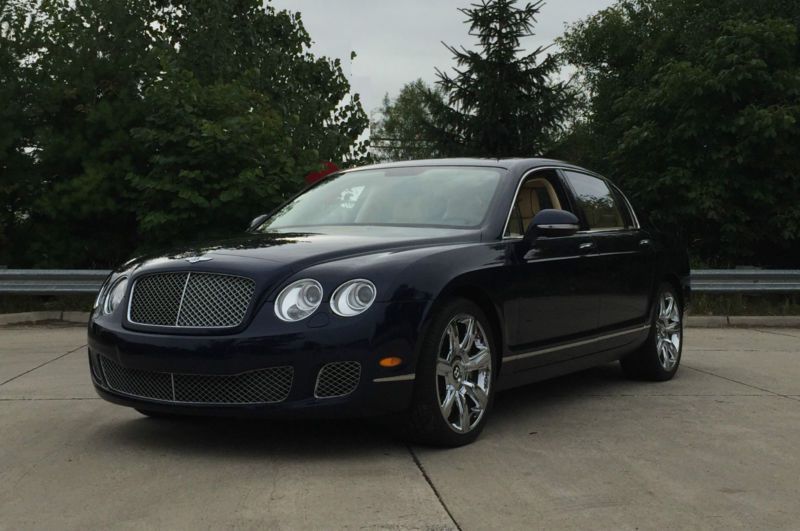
336, 379
263, 386
190, 300
97, 372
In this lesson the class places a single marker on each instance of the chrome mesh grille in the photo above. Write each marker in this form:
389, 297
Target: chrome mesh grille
191, 300
143, 384
339, 378
263, 386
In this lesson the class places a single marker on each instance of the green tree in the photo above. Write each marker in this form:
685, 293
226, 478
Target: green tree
155, 122
695, 110
16, 185
403, 127
501, 101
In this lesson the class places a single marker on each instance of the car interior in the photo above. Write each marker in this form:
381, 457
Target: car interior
537, 193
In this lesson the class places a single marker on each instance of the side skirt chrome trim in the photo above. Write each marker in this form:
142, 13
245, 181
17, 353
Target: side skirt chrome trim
575, 344
401, 378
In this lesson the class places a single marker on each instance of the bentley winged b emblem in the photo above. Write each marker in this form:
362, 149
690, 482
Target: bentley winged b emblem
195, 259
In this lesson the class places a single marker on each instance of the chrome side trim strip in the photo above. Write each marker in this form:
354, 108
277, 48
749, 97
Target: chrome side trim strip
401, 378
575, 343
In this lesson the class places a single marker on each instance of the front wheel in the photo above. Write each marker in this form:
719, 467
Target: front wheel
454, 386
658, 359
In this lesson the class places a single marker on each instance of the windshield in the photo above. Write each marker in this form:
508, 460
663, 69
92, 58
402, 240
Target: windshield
441, 196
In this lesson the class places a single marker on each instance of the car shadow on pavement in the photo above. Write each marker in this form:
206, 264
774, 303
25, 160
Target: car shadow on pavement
343, 438
601, 380
250, 438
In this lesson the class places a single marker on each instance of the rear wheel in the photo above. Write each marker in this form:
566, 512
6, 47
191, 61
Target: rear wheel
658, 359
454, 386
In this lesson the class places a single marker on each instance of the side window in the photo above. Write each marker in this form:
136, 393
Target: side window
598, 203
539, 191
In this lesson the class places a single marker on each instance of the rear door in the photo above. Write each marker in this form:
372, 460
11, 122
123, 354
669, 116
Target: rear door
623, 261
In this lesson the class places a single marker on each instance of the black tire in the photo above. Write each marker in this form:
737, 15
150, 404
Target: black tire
649, 362
424, 422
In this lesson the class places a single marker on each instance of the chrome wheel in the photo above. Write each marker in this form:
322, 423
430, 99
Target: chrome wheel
463, 373
668, 331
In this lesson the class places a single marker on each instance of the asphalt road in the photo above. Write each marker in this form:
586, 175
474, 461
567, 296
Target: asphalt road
718, 447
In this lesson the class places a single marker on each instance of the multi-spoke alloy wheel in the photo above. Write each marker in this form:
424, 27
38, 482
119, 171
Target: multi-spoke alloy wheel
658, 358
668, 331
454, 384
463, 373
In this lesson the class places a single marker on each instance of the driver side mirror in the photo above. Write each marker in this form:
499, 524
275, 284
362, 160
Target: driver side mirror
552, 223
257, 221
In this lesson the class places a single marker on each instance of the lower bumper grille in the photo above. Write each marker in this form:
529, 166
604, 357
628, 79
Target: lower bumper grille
263, 386
336, 379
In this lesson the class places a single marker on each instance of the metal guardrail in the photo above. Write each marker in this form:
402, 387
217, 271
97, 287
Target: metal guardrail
57, 281
745, 281
51, 281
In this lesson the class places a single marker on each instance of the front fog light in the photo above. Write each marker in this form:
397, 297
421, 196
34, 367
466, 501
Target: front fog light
353, 297
298, 300
115, 295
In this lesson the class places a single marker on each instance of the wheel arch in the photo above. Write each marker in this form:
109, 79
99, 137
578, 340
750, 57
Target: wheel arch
675, 281
481, 298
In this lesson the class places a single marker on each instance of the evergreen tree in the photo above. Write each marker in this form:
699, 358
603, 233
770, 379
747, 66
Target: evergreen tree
501, 101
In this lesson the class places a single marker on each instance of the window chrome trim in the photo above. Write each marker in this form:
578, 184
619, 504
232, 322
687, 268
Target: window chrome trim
636, 224
516, 194
565, 226
611, 188
575, 344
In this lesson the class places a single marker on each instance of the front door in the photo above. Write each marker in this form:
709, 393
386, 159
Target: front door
552, 283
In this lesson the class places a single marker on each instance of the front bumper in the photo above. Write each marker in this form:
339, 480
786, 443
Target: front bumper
209, 367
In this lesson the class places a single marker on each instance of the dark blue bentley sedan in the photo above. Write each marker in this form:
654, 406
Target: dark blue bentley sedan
417, 289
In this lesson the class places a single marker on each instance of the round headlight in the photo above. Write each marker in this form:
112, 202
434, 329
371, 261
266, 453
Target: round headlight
115, 295
298, 300
353, 297
101, 294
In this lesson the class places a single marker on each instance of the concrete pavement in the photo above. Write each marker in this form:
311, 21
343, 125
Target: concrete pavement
718, 447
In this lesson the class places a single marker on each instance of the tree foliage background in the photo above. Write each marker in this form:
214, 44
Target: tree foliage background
499, 100
694, 109
130, 124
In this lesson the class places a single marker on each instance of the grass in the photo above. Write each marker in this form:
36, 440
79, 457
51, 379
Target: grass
741, 304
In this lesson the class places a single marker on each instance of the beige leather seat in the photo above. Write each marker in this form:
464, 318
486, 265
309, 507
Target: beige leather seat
529, 203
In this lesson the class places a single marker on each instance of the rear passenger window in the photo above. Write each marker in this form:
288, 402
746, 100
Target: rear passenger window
597, 202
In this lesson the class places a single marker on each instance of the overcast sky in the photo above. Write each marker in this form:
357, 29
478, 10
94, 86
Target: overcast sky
398, 41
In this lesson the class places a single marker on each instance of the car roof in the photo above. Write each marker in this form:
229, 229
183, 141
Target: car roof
514, 165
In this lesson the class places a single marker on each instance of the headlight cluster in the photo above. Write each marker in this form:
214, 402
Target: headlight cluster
111, 296
353, 297
300, 299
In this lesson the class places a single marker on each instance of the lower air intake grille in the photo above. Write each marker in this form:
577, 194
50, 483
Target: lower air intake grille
263, 386
339, 378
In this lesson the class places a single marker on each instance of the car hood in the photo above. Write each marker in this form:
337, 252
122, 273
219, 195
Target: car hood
301, 246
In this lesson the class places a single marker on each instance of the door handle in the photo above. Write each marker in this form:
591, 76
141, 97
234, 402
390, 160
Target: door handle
586, 246
645, 242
